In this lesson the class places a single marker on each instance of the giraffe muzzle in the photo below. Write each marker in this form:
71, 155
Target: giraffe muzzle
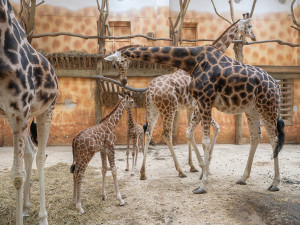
124, 81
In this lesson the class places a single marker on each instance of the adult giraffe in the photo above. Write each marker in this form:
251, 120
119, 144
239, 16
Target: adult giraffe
228, 85
28, 87
169, 93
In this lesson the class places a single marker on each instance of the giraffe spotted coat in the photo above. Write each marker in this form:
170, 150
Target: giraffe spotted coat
28, 87
98, 138
231, 87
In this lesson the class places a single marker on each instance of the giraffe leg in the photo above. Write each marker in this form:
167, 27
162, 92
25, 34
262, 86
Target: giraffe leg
152, 118
43, 128
80, 167
134, 151
19, 130
167, 136
137, 150
271, 127
206, 120
190, 160
111, 159
194, 121
216, 131
104, 170
127, 152
253, 119
30, 151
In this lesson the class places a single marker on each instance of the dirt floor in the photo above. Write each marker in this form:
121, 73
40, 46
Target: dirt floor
164, 198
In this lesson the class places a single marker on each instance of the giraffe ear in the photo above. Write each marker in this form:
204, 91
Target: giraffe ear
114, 57
246, 21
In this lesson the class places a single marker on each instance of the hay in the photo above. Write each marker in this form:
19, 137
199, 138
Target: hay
59, 196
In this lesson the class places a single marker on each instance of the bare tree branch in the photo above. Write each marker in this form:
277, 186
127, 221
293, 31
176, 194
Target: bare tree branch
231, 11
98, 5
181, 6
253, 7
293, 15
218, 13
42, 2
155, 39
295, 28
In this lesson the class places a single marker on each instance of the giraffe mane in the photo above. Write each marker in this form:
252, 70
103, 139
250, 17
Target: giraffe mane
129, 46
224, 32
114, 109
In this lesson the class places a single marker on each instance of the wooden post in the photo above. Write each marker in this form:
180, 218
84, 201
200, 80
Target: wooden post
101, 29
175, 33
2, 133
238, 50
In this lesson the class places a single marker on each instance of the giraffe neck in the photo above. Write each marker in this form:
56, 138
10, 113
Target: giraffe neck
184, 58
115, 115
226, 38
130, 117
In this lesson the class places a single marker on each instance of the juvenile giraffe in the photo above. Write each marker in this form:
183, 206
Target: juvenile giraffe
99, 138
169, 93
229, 86
28, 87
135, 133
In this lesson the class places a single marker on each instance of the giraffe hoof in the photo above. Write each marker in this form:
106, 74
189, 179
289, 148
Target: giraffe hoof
143, 177
182, 175
132, 174
193, 169
240, 182
104, 198
273, 188
199, 190
126, 169
123, 203
25, 212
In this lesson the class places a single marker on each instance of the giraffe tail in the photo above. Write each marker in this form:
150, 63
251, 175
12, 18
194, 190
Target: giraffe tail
72, 169
145, 126
281, 137
33, 132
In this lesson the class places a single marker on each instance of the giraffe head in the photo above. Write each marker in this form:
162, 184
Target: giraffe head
245, 28
129, 102
6, 12
121, 64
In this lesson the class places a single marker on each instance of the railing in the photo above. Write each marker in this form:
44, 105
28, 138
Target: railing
110, 90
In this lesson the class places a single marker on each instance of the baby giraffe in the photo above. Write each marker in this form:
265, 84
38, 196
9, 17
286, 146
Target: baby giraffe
99, 138
135, 133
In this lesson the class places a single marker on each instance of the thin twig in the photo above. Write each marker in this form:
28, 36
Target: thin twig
231, 11
295, 28
253, 6
293, 15
218, 13
171, 26
42, 2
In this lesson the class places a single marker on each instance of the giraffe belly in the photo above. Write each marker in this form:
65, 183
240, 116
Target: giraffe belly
227, 105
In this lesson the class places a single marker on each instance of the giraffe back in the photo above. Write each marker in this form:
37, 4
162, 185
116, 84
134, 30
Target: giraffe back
171, 90
25, 74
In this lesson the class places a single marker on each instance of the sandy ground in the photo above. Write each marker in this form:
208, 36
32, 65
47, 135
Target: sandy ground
164, 198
